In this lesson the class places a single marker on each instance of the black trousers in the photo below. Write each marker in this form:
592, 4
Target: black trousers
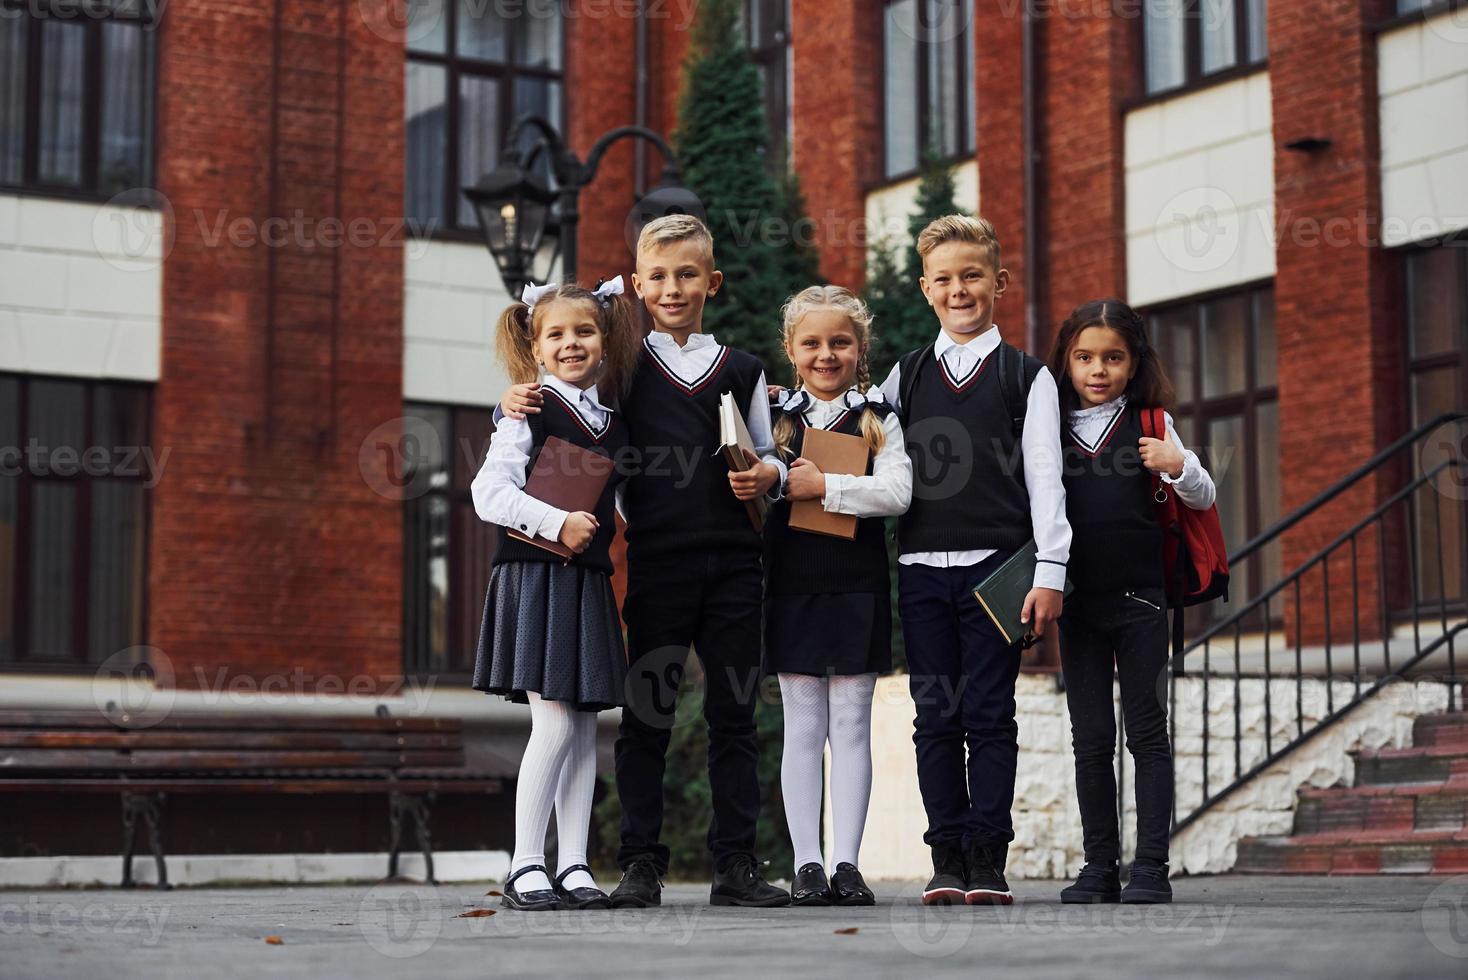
961, 674
713, 603
1125, 634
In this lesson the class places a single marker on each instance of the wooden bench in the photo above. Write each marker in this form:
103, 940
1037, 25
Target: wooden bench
411, 760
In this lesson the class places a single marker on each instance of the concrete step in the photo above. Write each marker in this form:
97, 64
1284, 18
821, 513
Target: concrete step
1405, 809
1444, 731
1419, 764
1356, 853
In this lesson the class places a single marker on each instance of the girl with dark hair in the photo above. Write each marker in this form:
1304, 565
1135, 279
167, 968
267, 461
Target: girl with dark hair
1114, 623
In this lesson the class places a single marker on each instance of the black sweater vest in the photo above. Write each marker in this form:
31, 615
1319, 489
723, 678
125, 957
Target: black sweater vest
1116, 541
803, 563
559, 419
678, 497
968, 487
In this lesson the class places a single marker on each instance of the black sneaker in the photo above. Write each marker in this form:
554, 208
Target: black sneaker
1098, 882
985, 882
740, 883
849, 888
1147, 884
640, 888
947, 885
810, 886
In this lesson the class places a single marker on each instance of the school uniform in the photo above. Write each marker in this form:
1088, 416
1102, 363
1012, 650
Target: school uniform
828, 607
694, 578
979, 493
1114, 624
550, 627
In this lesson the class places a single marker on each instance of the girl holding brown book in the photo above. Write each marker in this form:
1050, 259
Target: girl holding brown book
551, 635
828, 615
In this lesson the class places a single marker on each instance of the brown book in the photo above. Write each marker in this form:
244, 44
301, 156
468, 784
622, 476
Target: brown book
569, 478
832, 452
734, 438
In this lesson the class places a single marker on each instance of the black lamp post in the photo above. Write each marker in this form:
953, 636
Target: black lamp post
525, 221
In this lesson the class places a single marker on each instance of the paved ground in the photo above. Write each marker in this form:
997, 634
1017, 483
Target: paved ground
1235, 926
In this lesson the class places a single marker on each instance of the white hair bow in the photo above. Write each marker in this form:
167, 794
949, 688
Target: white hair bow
608, 289
794, 400
532, 293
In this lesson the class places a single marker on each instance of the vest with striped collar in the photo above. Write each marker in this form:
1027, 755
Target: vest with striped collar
1116, 542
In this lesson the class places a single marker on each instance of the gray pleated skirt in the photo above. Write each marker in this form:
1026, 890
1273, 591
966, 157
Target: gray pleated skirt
552, 629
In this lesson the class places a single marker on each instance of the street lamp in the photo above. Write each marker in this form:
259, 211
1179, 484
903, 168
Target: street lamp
525, 221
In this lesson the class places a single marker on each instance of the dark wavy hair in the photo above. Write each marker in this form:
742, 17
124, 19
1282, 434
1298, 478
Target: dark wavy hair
1149, 387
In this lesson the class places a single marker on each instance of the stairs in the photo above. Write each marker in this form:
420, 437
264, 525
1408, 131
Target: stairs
1407, 813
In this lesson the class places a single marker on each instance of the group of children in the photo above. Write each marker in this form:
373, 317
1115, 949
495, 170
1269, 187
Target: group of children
974, 446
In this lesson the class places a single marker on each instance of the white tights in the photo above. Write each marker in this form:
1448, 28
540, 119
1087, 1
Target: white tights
818, 710
559, 768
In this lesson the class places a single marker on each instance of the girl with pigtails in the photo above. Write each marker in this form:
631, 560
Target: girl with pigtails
551, 636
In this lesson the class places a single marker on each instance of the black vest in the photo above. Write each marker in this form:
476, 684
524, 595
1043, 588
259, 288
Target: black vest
559, 419
968, 487
1116, 542
678, 497
803, 563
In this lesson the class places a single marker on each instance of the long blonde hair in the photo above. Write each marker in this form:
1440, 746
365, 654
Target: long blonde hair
810, 300
519, 325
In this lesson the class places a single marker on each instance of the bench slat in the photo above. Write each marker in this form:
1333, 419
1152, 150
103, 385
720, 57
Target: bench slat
224, 739
473, 784
182, 759
183, 721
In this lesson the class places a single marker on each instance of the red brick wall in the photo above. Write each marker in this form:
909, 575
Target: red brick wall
269, 549
998, 34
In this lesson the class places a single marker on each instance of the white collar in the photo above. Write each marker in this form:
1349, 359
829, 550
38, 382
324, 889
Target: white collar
1105, 408
695, 340
983, 344
575, 395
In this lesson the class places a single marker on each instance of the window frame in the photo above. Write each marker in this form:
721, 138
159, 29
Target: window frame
778, 54
81, 545
88, 189
1193, 77
967, 73
455, 67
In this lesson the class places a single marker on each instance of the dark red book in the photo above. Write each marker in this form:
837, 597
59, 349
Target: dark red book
569, 478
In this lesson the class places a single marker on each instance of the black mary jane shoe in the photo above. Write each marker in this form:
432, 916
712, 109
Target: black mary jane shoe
810, 886
585, 897
849, 888
539, 900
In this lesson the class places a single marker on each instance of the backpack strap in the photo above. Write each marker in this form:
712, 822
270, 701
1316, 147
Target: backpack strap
1014, 386
1154, 426
910, 367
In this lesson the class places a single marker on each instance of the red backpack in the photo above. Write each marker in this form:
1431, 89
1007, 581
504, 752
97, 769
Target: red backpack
1194, 560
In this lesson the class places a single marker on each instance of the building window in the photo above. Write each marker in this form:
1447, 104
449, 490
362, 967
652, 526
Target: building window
1437, 360
928, 82
75, 468
473, 69
1185, 42
76, 96
447, 549
1220, 355
767, 32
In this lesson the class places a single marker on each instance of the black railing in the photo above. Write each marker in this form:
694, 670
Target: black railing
1395, 526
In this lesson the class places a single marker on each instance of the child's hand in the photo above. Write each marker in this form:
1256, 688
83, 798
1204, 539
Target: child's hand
806, 481
1162, 455
754, 482
774, 392
579, 529
1042, 607
521, 400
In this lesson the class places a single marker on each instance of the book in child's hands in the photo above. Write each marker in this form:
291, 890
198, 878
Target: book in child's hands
569, 478
1003, 593
831, 452
734, 438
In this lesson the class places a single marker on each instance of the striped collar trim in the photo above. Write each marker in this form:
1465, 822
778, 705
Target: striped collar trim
699, 383
963, 384
595, 434
1104, 438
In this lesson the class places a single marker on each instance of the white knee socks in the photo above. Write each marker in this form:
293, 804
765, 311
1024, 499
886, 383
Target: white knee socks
559, 769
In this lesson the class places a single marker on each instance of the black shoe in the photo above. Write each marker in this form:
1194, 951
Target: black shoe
947, 885
539, 900
848, 888
810, 886
640, 888
1099, 882
1147, 884
740, 883
985, 881
585, 897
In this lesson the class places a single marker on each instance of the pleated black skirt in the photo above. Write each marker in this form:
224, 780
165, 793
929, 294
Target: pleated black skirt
552, 629
826, 635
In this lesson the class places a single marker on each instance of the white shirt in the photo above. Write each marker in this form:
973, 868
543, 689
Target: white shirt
1040, 446
1194, 488
499, 487
888, 490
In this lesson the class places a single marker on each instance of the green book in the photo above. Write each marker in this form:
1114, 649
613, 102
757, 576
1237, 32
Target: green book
1003, 593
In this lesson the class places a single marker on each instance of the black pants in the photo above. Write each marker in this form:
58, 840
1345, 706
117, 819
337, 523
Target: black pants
1127, 632
712, 602
962, 675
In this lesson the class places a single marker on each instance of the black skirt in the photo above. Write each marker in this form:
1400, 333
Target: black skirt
552, 629
831, 634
